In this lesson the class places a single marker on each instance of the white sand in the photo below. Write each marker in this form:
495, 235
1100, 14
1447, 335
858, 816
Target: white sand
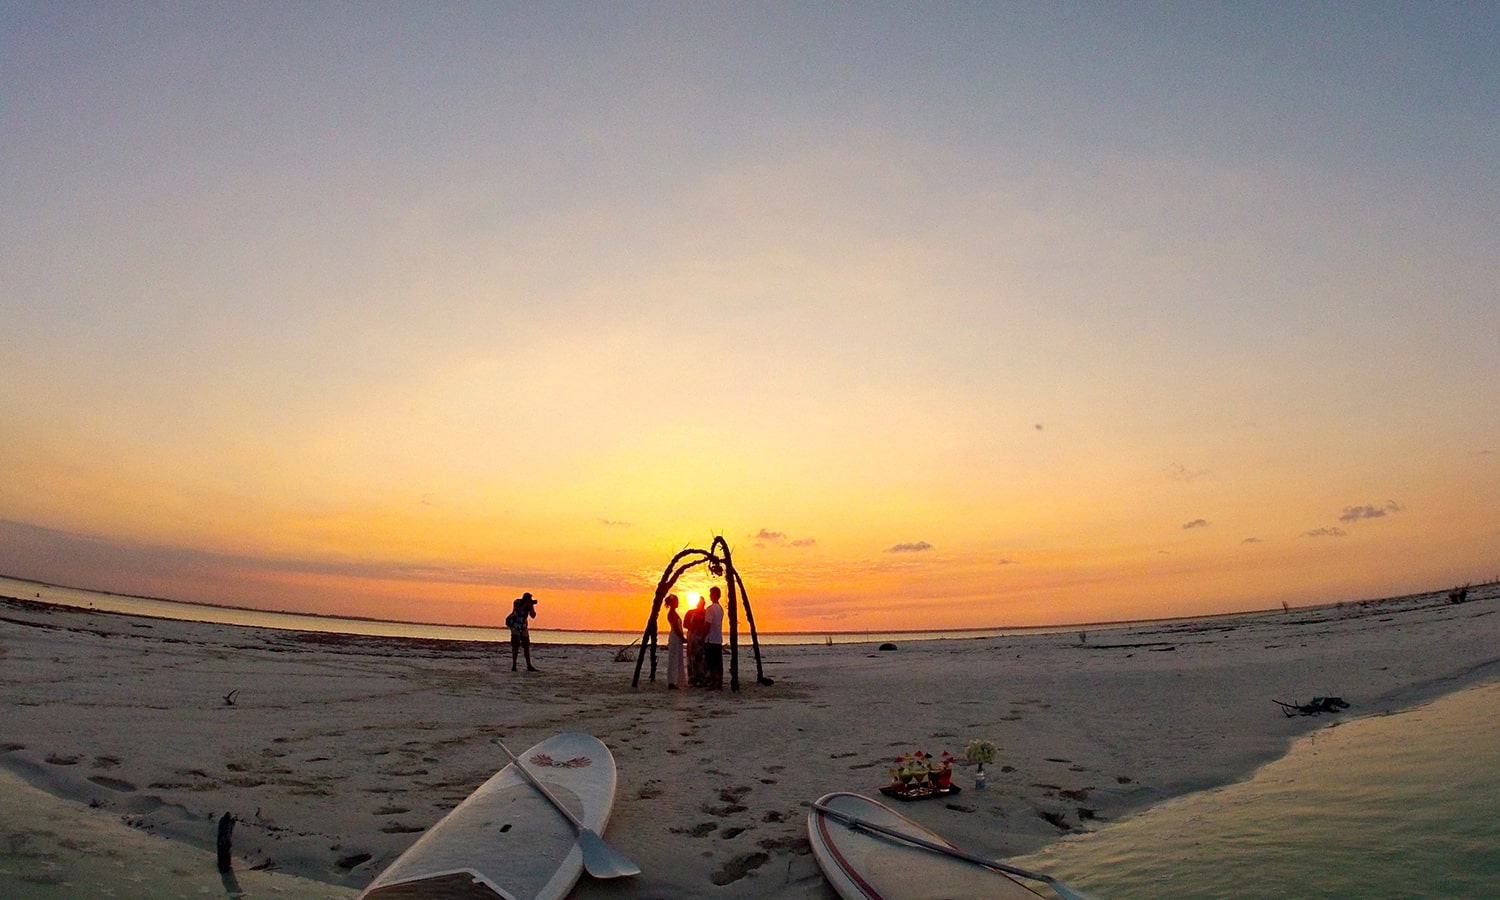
338, 751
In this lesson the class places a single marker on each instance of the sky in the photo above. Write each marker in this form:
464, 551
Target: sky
944, 315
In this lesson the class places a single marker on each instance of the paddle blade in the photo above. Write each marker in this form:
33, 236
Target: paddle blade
601, 860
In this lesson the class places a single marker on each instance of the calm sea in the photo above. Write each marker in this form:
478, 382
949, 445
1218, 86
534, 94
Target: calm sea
1405, 805
222, 615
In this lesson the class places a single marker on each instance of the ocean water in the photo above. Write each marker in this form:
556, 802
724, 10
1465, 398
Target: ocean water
1405, 805
82, 598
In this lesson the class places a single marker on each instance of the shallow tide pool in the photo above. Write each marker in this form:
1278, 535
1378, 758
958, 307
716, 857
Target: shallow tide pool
1403, 805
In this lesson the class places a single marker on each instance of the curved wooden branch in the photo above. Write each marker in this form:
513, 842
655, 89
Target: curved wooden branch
760, 672
669, 578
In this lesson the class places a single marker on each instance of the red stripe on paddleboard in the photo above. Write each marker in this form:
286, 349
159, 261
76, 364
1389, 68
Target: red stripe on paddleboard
844, 865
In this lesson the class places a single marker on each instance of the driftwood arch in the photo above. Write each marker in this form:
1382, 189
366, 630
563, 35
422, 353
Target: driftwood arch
719, 561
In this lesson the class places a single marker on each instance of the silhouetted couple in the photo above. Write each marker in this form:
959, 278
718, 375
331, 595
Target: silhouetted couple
695, 645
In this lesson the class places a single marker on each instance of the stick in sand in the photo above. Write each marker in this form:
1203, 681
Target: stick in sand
859, 824
226, 838
599, 859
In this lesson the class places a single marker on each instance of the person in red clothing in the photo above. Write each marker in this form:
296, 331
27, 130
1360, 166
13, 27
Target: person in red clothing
696, 629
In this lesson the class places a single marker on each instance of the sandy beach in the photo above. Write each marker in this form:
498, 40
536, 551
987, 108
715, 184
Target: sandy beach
337, 751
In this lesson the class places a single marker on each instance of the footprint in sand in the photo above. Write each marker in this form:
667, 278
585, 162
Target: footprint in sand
114, 784
797, 844
739, 867
731, 798
650, 790
398, 771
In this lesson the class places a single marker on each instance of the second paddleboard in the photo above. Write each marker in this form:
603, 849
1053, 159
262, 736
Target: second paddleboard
865, 865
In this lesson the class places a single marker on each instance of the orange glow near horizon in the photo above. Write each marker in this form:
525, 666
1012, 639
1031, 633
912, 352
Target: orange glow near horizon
887, 594
792, 589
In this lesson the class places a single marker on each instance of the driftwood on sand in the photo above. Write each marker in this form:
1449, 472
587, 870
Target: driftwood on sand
1316, 706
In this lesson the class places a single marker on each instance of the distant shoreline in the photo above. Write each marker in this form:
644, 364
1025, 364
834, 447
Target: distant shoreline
610, 636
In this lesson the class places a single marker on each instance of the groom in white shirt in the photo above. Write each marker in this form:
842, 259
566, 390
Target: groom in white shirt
713, 645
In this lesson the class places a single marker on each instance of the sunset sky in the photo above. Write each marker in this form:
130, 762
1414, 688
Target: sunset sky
944, 315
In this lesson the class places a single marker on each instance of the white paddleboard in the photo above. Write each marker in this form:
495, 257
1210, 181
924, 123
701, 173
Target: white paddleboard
865, 866
506, 840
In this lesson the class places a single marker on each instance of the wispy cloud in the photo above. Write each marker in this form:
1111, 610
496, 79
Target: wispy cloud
1356, 513
1196, 523
915, 547
766, 537
1325, 532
